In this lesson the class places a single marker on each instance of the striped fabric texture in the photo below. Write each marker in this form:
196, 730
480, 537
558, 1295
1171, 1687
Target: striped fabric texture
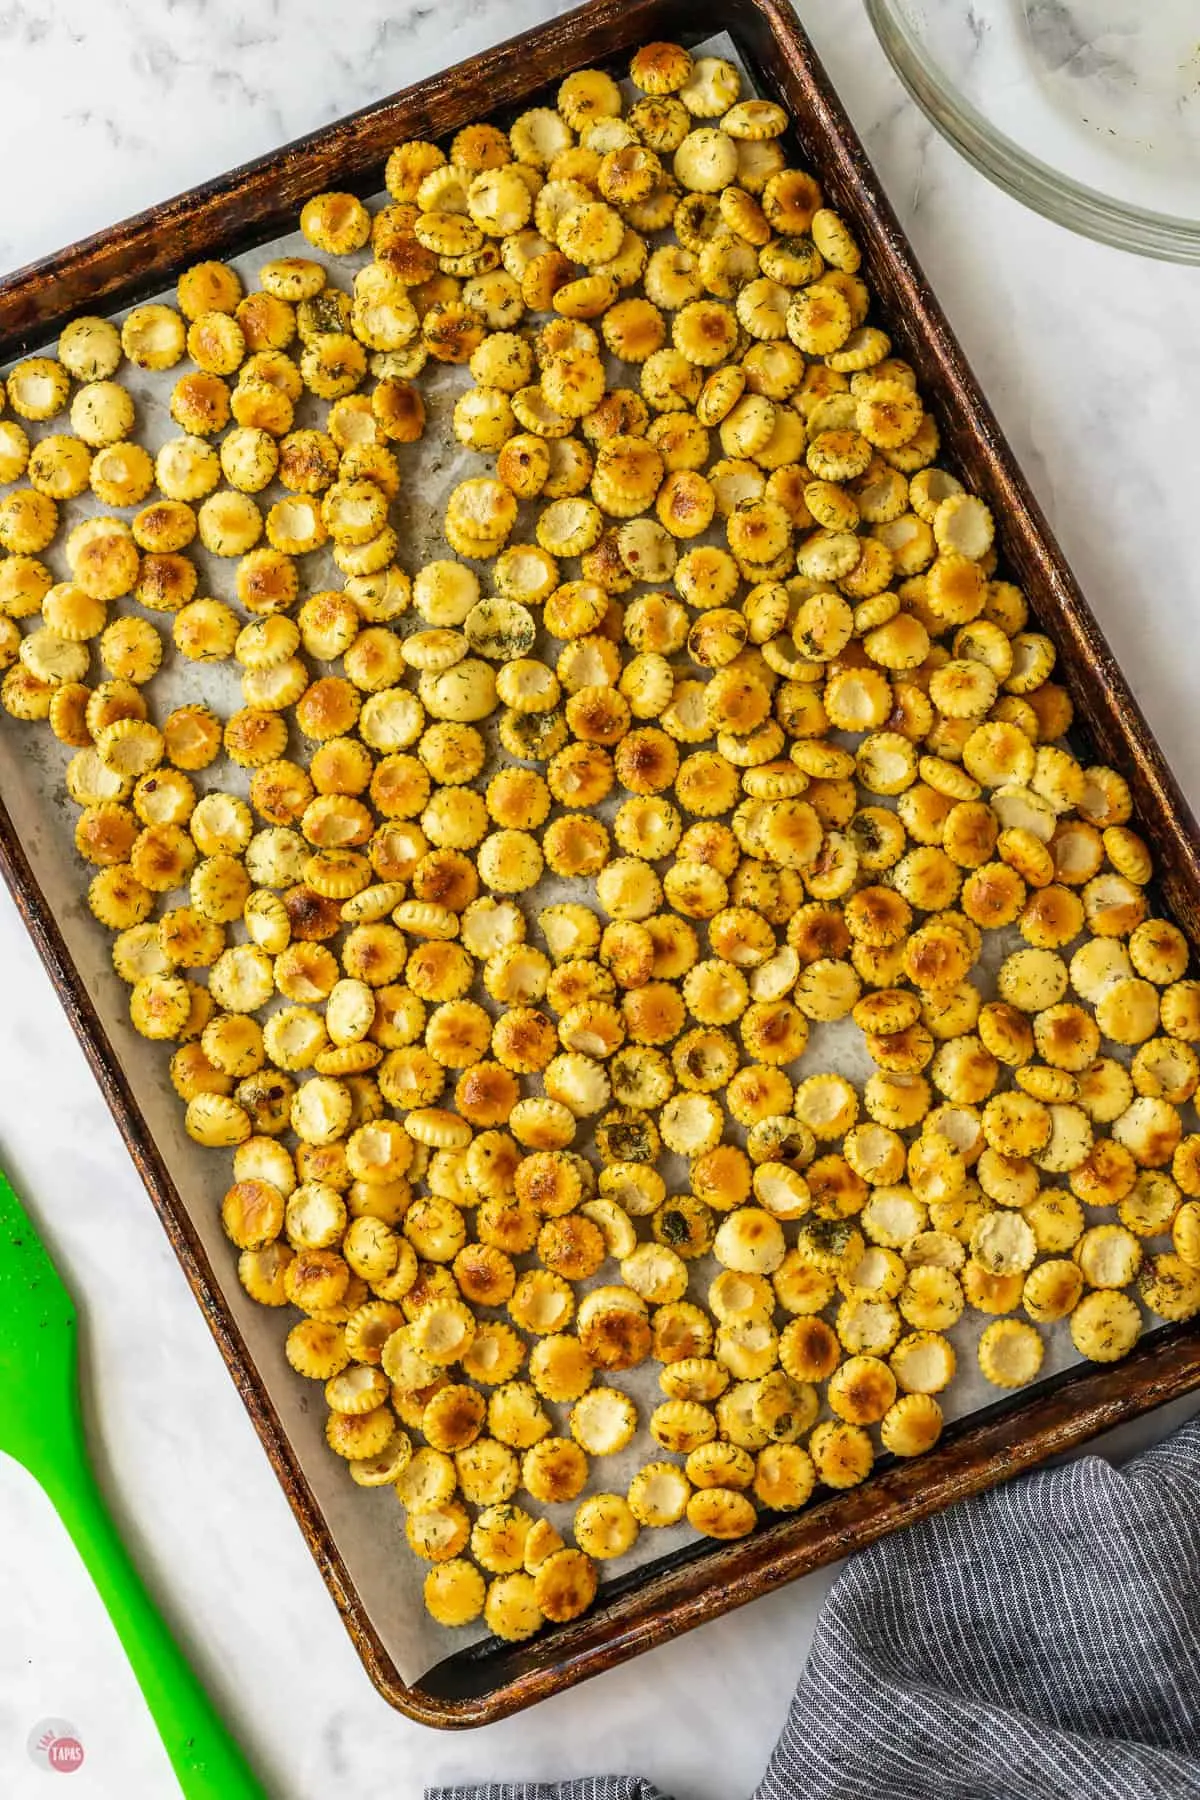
1041, 1642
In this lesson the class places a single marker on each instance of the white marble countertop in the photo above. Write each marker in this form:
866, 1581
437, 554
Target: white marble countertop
108, 107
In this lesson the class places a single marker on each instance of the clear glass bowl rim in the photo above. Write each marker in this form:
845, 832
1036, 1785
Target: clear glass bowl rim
1036, 184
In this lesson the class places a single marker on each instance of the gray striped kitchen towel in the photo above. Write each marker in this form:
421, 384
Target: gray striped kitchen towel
1041, 1642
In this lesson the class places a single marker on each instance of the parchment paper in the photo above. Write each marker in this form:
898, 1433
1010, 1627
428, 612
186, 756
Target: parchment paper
367, 1525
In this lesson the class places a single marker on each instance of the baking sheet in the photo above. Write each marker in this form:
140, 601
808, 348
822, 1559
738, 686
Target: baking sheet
367, 1525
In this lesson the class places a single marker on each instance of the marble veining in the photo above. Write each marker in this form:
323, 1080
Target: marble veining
1104, 91
112, 105
1057, 38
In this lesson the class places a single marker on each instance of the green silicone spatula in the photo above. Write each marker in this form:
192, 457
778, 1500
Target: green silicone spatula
42, 1428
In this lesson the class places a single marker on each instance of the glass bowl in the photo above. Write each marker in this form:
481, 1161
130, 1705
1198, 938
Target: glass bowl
1086, 110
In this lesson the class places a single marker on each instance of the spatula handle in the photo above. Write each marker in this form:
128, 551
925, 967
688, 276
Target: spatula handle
206, 1758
